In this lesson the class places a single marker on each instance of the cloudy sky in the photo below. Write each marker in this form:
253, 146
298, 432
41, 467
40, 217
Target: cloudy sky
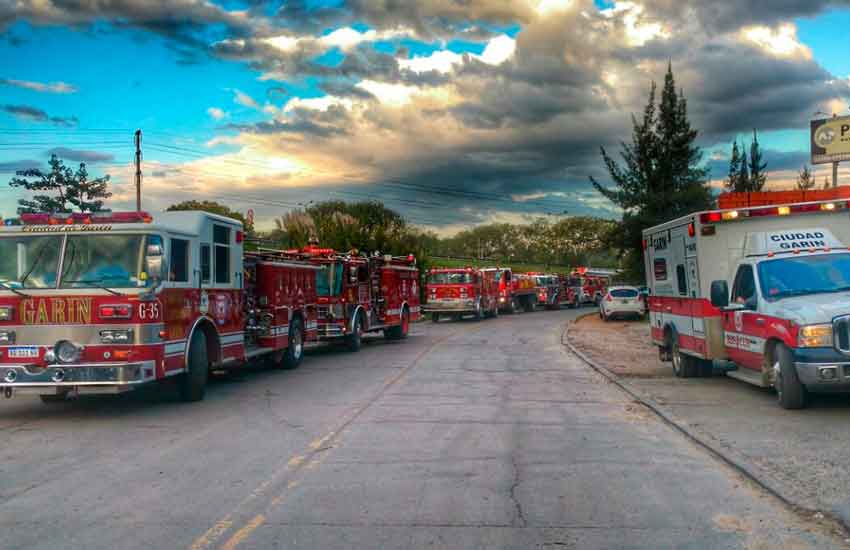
454, 112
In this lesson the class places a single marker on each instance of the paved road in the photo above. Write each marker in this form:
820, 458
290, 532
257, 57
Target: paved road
467, 435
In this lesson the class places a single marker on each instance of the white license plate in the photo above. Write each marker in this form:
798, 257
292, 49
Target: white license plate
23, 352
626, 302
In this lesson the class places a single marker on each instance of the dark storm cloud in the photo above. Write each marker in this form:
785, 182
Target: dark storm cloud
26, 112
78, 155
19, 165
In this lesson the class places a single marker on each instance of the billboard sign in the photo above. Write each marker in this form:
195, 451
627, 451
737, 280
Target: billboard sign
830, 140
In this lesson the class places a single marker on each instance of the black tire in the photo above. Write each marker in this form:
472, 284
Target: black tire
478, 313
399, 331
684, 366
529, 305
354, 341
53, 399
192, 385
435, 317
514, 307
294, 352
705, 368
790, 392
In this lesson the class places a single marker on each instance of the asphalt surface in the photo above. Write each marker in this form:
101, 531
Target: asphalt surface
466, 435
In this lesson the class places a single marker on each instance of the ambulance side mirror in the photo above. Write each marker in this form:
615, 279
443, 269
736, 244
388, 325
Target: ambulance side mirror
720, 294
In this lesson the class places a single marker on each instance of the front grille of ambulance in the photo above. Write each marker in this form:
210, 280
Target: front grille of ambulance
841, 334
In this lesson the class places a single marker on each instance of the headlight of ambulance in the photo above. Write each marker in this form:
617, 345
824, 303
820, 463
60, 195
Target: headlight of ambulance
5, 313
7, 336
815, 336
116, 336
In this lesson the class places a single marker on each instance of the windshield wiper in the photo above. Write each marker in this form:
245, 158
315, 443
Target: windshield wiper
98, 283
7, 286
796, 292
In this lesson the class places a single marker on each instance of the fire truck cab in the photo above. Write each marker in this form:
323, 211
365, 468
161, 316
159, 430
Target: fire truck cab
358, 294
462, 291
786, 323
106, 302
548, 290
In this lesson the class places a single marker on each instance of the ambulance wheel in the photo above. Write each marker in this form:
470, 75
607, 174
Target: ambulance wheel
295, 348
50, 399
192, 384
354, 341
790, 393
684, 366
399, 331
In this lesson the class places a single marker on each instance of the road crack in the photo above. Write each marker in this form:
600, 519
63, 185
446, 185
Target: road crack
520, 513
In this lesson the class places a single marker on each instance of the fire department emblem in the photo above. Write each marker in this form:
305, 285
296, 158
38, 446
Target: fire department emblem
204, 305
739, 321
222, 307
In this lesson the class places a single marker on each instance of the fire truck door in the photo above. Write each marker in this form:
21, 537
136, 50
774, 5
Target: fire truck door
744, 329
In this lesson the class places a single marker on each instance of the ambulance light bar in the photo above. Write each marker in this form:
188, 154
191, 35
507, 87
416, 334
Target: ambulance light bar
78, 218
731, 215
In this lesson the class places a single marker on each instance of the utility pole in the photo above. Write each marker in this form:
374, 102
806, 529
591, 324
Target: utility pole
138, 170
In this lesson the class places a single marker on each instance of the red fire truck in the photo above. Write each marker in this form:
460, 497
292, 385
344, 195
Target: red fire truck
462, 291
549, 294
571, 291
360, 293
106, 302
787, 322
517, 291
594, 284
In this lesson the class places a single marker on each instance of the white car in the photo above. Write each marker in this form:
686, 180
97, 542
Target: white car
621, 301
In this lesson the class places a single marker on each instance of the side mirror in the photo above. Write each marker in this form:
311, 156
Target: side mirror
719, 294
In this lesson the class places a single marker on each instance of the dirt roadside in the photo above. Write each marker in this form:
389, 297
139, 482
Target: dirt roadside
802, 455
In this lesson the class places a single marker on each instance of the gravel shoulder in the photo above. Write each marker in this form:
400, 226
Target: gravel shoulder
801, 454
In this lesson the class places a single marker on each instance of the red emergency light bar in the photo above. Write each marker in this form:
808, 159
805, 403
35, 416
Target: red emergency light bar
77, 218
784, 210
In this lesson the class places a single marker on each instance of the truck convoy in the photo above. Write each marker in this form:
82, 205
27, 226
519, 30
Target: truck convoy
462, 291
786, 323
107, 302
549, 290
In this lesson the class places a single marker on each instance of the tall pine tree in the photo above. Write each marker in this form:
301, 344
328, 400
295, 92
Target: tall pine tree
758, 175
661, 177
734, 168
743, 174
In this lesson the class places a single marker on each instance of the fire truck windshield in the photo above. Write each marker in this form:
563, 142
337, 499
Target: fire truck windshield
329, 279
29, 261
120, 261
451, 278
801, 275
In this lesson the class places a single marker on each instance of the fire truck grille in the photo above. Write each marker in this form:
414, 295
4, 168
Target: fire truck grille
323, 312
841, 334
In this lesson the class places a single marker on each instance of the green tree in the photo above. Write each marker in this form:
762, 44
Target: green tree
661, 177
805, 179
61, 189
214, 208
758, 175
743, 174
734, 168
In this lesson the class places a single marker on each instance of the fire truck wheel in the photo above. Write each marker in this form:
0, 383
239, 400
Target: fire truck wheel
354, 341
514, 307
478, 315
435, 317
684, 366
529, 305
705, 368
54, 398
790, 393
399, 331
295, 350
192, 385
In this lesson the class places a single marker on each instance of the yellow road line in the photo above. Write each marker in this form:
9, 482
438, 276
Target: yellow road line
244, 533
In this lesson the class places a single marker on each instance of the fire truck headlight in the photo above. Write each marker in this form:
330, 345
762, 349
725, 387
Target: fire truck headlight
116, 336
5, 313
815, 336
67, 352
7, 336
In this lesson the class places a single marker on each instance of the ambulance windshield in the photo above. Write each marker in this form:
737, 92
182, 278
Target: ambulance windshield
802, 275
29, 261
451, 278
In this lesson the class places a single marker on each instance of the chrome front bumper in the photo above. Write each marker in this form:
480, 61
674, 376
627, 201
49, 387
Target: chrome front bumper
816, 378
94, 377
450, 306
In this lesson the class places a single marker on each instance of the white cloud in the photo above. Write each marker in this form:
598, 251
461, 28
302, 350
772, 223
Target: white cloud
245, 100
546, 7
498, 50
442, 61
638, 31
780, 41
282, 42
49, 87
317, 103
216, 113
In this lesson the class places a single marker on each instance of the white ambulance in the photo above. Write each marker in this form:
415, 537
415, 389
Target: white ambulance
786, 323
